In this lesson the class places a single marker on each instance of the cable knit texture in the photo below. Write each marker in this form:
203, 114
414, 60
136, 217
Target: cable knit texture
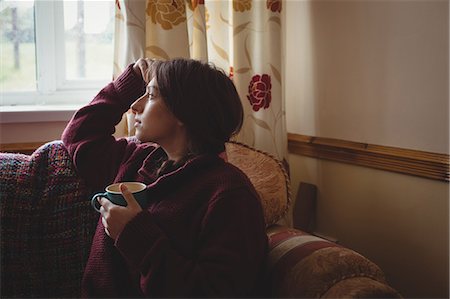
203, 233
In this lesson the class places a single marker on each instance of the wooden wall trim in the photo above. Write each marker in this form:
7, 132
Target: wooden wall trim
412, 162
22, 148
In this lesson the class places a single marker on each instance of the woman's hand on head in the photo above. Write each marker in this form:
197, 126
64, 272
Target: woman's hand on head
115, 217
143, 68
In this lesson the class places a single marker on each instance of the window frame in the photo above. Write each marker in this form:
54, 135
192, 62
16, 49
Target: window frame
52, 87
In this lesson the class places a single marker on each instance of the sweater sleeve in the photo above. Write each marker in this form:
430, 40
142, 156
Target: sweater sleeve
88, 137
230, 256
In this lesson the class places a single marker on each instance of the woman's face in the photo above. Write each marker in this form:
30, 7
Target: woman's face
154, 122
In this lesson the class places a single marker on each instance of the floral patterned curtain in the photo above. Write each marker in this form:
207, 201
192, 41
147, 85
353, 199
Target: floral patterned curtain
243, 37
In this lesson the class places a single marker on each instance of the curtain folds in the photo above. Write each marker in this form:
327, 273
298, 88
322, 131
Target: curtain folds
243, 37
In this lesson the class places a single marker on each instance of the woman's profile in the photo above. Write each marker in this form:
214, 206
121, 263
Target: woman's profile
203, 232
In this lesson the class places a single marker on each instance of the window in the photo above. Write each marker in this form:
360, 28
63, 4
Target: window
54, 52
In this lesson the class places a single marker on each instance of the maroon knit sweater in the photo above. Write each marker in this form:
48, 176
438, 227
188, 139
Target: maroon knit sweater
203, 234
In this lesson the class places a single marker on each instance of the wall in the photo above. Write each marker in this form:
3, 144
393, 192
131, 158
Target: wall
31, 132
375, 72
40, 126
366, 71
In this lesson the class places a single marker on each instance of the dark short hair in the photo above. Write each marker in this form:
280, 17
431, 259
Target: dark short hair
202, 97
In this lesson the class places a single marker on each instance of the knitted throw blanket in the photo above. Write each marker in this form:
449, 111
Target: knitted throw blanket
47, 224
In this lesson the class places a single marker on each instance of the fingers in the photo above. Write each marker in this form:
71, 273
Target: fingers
104, 221
115, 217
144, 63
140, 67
105, 225
143, 67
148, 70
129, 198
104, 203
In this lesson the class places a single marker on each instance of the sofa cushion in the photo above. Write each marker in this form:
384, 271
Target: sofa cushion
305, 266
361, 287
47, 224
267, 175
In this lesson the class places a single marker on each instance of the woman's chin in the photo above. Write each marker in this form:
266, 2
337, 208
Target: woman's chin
141, 138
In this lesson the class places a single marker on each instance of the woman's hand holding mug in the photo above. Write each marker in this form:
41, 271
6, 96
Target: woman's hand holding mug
118, 205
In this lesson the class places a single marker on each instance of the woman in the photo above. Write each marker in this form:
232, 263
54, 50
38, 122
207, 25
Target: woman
203, 233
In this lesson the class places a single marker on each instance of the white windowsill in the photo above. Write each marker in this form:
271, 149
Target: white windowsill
37, 113
53, 107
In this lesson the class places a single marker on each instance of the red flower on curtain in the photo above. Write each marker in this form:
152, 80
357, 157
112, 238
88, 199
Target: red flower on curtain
118, 4
259, 92
274, 5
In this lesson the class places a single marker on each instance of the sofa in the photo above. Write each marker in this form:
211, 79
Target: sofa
47, 224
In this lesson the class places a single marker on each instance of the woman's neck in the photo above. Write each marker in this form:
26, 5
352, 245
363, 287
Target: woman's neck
177, 154
176, 151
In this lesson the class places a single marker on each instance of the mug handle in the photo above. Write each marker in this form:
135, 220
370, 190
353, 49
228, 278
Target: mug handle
94, 202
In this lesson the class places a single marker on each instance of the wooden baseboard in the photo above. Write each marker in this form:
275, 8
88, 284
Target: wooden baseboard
412, 162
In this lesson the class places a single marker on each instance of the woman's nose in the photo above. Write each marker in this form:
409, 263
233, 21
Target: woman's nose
137, 106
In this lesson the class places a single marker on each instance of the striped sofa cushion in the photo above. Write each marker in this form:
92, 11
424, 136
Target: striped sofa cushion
305, 266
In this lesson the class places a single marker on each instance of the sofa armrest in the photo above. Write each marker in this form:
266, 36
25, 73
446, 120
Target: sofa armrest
305, 266
47, 224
